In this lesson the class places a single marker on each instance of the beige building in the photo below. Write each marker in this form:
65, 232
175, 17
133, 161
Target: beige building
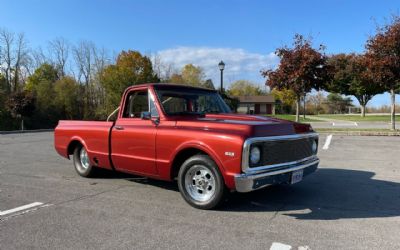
263, 104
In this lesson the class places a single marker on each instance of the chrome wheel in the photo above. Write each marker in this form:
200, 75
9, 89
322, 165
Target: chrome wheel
82, 162
200, 183
84, 158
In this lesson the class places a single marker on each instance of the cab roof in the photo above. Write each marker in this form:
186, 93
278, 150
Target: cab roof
169, 84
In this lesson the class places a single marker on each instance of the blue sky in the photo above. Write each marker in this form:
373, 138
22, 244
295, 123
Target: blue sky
242, 33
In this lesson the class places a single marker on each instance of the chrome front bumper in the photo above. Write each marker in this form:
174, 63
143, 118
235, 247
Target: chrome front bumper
247, 182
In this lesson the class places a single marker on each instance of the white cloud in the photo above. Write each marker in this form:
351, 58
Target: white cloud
240, 64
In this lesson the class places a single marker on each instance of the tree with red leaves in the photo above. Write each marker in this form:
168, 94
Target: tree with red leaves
383, 55
301, 69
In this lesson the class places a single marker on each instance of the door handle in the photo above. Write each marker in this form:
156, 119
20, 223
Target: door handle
119, 128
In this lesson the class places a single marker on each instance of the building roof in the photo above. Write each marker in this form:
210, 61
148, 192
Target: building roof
268, 98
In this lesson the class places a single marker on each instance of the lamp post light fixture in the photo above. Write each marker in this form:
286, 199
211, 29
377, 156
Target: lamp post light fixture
221, 66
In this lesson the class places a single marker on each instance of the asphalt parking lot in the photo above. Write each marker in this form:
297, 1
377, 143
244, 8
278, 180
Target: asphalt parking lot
352, 202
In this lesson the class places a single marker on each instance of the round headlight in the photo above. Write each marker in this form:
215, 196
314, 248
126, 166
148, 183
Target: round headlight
314, 147
255, 155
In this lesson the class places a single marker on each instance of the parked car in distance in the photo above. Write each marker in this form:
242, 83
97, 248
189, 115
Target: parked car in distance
173, 132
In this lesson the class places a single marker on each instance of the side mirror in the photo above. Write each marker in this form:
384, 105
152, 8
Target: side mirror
145, 115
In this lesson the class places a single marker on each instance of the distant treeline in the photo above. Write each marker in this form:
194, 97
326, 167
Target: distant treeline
81, 81
73, 81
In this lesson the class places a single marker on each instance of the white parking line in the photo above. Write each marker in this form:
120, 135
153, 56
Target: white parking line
17, 209
327, 142
280, 246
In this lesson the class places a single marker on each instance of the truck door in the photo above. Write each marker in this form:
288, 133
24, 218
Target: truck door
133, 137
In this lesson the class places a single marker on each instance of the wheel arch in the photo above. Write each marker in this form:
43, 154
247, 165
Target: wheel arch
73, 143
189, 150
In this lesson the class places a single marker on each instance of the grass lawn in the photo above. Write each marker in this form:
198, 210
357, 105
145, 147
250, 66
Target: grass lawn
358, 118
293, 118
356, 129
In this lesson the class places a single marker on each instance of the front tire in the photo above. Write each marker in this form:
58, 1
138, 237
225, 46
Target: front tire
201, 183
82, 162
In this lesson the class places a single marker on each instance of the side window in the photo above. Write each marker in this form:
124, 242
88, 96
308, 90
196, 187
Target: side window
136, 103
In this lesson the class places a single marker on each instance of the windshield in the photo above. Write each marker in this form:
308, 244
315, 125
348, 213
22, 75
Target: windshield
177, 100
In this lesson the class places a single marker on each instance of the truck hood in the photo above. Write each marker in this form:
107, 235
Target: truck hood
246, 125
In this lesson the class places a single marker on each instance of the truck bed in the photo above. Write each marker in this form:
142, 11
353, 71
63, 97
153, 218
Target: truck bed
94, 135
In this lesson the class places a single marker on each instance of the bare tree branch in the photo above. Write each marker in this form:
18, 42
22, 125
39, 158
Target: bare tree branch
59, 49
7, 40
21, 59
38, 58
83, 54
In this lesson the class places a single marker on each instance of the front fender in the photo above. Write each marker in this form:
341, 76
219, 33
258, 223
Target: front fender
226, 164
203, 147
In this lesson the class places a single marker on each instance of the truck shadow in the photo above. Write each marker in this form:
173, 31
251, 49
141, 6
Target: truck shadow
108, 174
328, 194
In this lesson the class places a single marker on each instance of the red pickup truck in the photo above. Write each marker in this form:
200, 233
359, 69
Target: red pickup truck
172, 132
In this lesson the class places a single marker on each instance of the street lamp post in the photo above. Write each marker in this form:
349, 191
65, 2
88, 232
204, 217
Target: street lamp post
221, 66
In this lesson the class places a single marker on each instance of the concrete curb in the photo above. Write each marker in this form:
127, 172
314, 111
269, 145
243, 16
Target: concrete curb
360, 133
25, 131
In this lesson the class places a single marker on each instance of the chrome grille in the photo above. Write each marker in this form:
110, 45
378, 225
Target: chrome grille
282, 151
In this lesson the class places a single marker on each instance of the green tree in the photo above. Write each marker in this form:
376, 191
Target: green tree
45, 72
131, 68
338, 104
244, 88
41, 84
286, 98
193, 75
350, 76
66, 97
301, 69
176, 78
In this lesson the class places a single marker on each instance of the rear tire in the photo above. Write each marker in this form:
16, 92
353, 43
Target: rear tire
82, 162
201, 183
